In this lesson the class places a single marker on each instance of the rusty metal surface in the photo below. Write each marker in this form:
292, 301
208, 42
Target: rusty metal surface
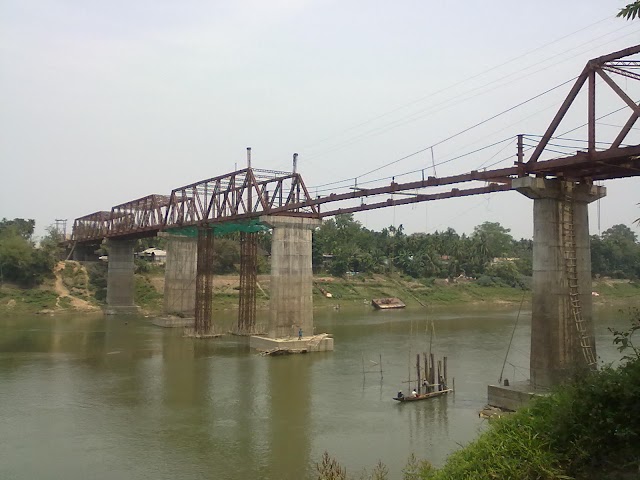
248, 282
94, 226
204, 283
141, 215
609, 62
246, 193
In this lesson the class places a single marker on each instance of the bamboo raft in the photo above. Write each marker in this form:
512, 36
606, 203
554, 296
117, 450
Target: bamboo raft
431, 382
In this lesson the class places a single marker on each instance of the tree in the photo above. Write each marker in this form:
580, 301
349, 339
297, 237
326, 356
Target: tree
19, 226
631, 11
616, 253
493, 239
20, 261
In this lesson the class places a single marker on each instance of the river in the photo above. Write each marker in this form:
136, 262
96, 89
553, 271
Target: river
114, 398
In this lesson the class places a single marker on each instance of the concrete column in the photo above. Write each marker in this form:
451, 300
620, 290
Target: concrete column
120, 286
180, 275
290, 299
555, 342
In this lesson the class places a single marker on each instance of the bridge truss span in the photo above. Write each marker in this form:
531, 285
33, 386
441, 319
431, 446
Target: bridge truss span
249, 193
242, 194
138, 217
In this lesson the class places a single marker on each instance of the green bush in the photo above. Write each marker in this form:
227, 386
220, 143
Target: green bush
485, 281
97, 272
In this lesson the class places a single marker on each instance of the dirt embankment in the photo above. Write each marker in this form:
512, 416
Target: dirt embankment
71, 284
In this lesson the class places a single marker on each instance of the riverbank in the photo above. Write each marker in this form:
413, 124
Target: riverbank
71, 290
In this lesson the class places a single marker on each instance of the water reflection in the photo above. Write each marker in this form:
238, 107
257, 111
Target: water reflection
290, 416
89, 397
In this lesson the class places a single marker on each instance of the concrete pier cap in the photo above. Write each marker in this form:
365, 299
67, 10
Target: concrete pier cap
538, 188
291, 290
556, 351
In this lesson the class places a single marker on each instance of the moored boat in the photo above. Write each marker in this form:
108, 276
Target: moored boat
387, 303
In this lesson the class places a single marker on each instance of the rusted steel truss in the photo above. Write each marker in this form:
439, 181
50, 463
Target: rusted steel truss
94, 226
242, 194
139, 216
249, 193
204, 283
248, 282
611, 63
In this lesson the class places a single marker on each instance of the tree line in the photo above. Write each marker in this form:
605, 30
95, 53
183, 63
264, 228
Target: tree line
342, 246
489, 254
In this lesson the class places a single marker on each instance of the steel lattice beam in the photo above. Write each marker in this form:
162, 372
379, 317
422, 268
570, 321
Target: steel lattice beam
204, 283
248, 282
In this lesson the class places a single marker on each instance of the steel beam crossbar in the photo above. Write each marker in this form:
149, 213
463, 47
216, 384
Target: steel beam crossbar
611, 63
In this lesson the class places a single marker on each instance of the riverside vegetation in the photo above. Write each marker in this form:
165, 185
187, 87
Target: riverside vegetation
351, 262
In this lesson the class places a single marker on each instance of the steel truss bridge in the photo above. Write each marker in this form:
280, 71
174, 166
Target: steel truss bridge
250, 193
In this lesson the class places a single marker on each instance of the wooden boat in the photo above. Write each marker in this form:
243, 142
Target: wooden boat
387, 303
423, 396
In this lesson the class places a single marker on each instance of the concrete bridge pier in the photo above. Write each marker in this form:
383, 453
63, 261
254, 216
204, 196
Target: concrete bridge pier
180, 276
120, 282
291, 287
562, 339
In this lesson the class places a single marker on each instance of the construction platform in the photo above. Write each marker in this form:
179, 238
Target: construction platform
318, 343
513, 396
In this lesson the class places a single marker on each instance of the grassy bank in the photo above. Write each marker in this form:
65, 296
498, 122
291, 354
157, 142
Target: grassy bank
76, 287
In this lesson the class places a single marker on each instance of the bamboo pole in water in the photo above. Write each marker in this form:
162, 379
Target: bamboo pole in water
426, 370
444, 367
439, 375
418, 371
432, 380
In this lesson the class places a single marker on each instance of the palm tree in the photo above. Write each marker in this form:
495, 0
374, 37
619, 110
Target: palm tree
631, 11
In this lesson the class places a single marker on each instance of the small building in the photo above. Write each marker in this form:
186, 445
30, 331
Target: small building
154, 255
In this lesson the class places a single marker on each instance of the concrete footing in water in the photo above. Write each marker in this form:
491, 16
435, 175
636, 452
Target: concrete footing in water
513, 396
121, 310
317, 343
171, 321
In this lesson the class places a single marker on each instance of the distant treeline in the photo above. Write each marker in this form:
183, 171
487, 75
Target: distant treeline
342, 246
490, 253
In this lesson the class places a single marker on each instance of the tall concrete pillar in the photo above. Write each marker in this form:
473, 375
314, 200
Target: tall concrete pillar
120, 283
290, 299
556, 350
180, 275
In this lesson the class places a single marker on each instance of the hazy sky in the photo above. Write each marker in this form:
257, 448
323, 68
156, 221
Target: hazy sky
105, 102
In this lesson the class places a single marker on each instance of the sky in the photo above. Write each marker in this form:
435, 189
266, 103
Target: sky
106, 102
